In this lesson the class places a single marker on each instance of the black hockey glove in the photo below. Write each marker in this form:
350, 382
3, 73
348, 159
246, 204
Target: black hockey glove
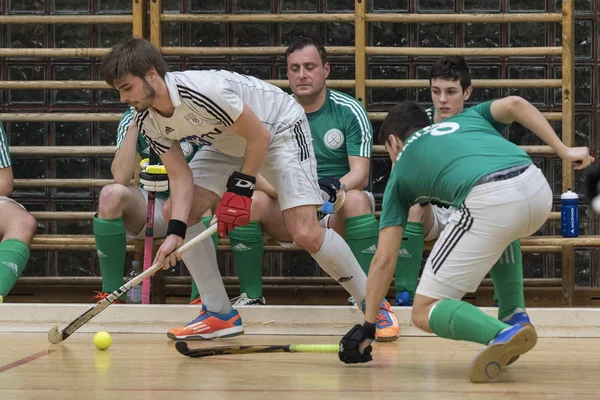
350, 344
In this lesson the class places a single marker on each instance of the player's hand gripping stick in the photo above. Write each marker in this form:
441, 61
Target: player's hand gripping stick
234, 208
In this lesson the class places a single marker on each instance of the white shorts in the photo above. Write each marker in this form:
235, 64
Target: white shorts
159, 226
290, 167
324, 222
4, 199
441, 215
492, 216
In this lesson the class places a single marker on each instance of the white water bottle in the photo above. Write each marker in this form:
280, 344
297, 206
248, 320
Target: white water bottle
134, 295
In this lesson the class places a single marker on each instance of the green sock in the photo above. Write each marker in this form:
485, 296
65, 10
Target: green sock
195, 293
362, 233
14, 255
410, 257
215, 238
248, 249
507, 275
458, 320
111, 245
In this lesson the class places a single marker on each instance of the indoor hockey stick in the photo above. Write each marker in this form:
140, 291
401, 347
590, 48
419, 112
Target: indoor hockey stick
148, 244
182, 348
56, 336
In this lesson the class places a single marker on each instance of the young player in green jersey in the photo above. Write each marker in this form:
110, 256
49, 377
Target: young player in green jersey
498, 195
17, 226
450, 85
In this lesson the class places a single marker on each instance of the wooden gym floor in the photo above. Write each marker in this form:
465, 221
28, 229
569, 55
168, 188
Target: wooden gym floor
147, 366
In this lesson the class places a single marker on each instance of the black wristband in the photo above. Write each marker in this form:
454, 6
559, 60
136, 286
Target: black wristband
177, 227
243, 184
370, 328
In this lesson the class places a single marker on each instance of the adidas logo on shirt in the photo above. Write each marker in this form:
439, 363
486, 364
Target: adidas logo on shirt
404, 253
370, 250
241, 247
168, 130
13, 266
100, 254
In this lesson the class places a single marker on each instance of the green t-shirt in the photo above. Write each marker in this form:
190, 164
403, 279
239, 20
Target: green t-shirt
4, 151
142, 147
441, 163
340, 128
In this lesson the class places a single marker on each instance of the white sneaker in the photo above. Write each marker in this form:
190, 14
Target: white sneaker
243, 300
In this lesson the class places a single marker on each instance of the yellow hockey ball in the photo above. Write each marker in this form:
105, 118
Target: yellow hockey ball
102, 340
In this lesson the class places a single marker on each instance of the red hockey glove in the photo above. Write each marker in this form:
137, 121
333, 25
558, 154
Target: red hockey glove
234, 208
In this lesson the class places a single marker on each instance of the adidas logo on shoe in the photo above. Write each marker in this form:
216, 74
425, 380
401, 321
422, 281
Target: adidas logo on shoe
404, 253
370, 250
241, 247
13, 266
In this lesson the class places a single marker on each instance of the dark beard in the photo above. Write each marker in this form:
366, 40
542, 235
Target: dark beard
149, 96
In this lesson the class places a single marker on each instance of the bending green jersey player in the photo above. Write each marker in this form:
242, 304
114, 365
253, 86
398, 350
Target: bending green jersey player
450, 86
17, 226
498, 194
122, 208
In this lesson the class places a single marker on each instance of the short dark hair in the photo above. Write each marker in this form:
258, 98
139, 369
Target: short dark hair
301, 42
136, 57
403, 120
453, 68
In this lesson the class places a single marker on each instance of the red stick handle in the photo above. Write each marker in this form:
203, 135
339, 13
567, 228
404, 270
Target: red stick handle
148, 242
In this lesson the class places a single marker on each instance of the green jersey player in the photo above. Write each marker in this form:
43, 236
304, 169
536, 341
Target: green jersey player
122, 208
450, 85
17, 226
498, 195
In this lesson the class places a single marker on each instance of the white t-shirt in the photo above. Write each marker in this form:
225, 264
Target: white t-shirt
207, 103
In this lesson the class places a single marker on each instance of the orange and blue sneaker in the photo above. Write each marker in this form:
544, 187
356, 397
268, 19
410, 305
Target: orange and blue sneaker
507, 345
99, 296
387, 326
209, 325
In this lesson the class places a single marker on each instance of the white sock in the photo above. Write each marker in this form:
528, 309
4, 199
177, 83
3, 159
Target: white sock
201, 261
336, 258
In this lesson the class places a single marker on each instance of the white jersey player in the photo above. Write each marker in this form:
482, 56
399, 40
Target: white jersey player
247, 126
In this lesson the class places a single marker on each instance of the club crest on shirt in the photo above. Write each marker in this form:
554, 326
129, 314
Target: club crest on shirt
187, 148
333, 139
194, 120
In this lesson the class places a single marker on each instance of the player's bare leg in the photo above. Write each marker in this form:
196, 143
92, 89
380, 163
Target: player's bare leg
118, 201
267, 212
357, 203
17, 228
335, 257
